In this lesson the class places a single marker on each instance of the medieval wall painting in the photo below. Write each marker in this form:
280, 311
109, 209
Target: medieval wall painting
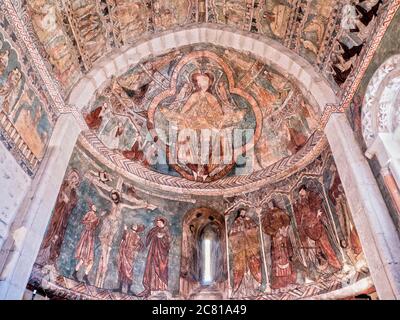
73, 35
107, 238
25, 120
47, 23
198, 89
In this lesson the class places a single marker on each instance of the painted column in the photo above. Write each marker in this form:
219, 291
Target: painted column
378, 235
22, 246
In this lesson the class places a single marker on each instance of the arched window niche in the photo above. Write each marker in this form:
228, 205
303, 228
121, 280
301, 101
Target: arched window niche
210, 253
203, 263
381, 123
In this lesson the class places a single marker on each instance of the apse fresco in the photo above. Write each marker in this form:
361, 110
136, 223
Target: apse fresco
108, 239
25, 121
165, 112
47, 23
75, 34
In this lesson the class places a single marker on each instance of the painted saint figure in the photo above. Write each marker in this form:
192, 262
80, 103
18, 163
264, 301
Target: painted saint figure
336, 194
84, 252
276, 224
4, 57
245, 244
9, 91
65, 203
109, 227
312, 223
130, 245
155, 276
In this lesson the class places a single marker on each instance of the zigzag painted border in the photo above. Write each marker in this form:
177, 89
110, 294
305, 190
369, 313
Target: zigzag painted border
275, 172
279, 170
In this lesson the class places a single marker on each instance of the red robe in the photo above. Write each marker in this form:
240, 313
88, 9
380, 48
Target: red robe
93, 119
58, 223
155, 276
245, 244
281, 249
85, 248
312, 227
130, 244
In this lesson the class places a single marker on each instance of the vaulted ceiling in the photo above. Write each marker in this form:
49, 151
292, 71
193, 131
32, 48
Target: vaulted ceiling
75, 34
78, 36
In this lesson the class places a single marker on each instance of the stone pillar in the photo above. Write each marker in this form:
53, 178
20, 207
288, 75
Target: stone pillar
386, 148
378, 235
22, 246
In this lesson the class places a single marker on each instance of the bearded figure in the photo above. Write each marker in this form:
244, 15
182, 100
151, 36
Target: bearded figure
313, 229
66, 202
276, 224
245, 244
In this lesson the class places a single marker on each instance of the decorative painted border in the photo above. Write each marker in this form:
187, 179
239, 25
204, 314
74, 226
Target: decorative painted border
228, 185
65, 288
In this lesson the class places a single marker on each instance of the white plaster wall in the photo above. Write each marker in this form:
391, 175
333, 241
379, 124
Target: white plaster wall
14, 184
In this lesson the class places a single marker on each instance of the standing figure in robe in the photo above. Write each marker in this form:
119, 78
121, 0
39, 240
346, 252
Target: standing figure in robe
4, 57
84, 252
276, 224
312, 223
336, 194
110, 223
245, 244
155, 276
9, 91
130, 245
65, 203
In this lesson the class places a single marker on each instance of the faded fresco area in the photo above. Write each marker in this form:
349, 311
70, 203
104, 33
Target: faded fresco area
108, 239
25, 121
75, 34
144, 114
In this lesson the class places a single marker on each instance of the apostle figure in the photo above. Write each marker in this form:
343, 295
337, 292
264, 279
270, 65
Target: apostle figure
276, 224
312, 223
9, 91
130, 245
336, 194
65, 203
4, 57
84, 252
155, 276
245, 244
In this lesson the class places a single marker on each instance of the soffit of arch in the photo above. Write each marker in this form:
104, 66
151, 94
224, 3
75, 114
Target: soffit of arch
380, 112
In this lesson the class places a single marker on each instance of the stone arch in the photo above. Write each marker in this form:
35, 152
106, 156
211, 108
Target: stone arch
381, 105
195, 222
381, 123
313, 86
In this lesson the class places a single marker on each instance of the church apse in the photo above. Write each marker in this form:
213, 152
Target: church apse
108, 239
